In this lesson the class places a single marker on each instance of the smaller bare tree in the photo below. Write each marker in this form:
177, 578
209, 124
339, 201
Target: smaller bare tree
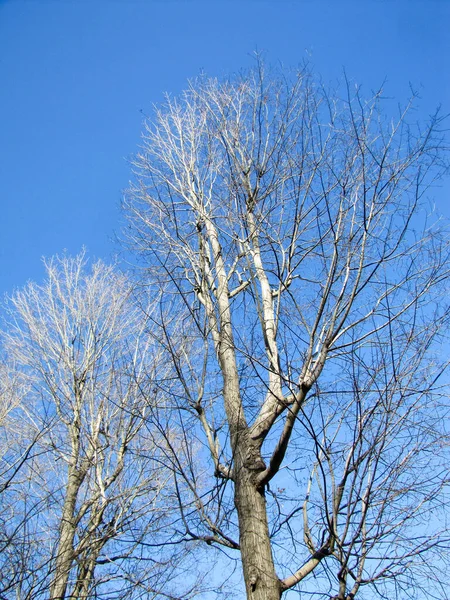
80, 345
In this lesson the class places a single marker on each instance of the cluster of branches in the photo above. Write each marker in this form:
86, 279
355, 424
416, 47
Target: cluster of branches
275, 388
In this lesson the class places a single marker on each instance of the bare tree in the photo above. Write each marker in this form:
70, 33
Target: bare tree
289, 232
100, 494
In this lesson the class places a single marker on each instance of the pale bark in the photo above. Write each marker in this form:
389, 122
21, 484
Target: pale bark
65, 555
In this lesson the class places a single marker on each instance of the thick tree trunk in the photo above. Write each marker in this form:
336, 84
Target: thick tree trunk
261, 580
65, 554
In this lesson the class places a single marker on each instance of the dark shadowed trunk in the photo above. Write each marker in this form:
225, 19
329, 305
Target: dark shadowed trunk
260, 577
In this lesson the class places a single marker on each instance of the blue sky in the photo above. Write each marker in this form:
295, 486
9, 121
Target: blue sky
76, 78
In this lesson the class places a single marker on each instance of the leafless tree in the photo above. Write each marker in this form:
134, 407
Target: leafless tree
289, 232
100, 496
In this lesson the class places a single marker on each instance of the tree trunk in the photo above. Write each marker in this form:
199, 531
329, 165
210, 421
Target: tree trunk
65, 554
261, 580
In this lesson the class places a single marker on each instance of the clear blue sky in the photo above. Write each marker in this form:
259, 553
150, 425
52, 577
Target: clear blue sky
74, 77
